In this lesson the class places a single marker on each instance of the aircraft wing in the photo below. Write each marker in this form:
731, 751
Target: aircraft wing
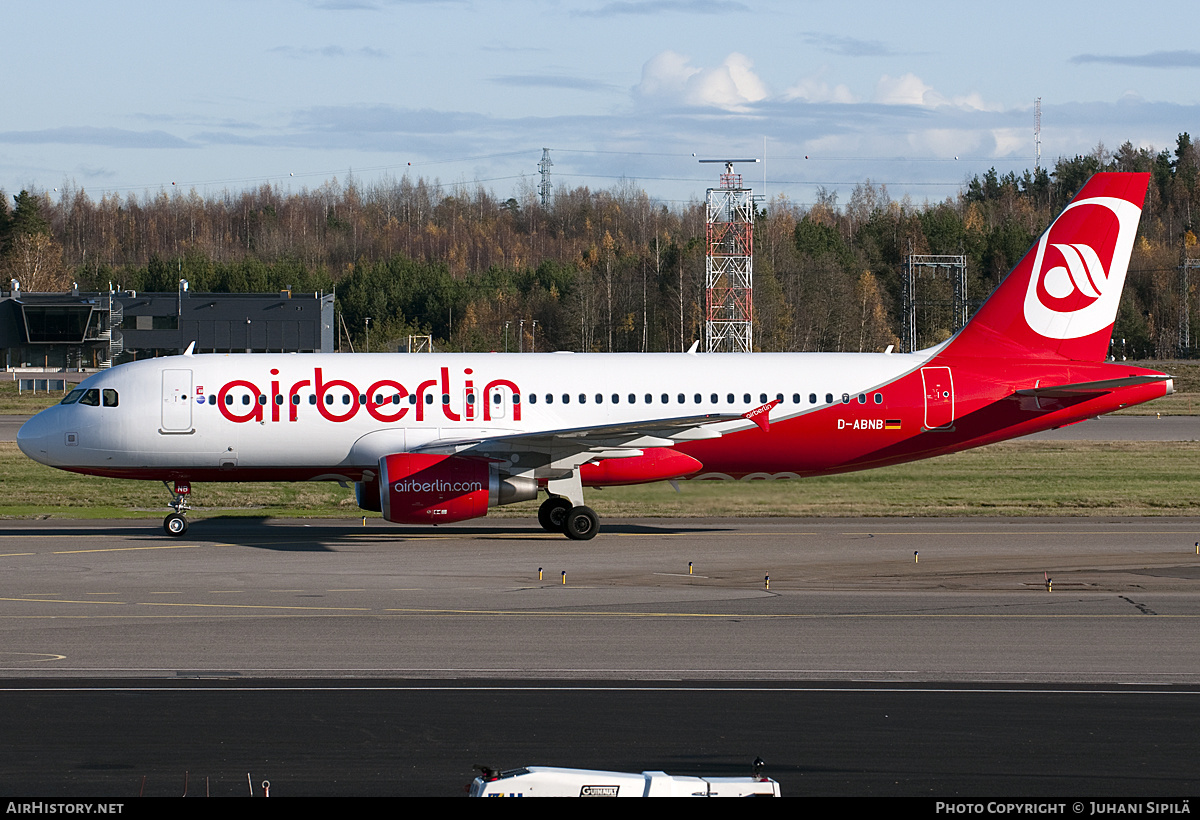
594, 441
1065, 391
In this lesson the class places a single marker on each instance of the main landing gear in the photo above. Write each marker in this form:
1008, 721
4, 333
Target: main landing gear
579, 523
176, 524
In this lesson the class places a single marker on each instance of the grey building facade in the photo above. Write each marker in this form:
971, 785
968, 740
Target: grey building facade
87, 331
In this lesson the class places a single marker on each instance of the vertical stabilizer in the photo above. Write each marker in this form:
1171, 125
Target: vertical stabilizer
1061, 299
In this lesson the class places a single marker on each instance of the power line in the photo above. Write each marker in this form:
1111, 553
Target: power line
957, 182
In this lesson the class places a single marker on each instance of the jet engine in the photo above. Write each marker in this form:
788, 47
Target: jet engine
421, 488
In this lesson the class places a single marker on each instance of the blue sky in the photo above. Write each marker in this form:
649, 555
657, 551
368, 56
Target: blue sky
133, 96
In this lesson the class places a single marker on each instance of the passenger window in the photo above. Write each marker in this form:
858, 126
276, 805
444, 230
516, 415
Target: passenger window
845, 398
346, 398
879, 398
549, 398
829, 398
745, 398
649, 399
862, 398
329, 398
428, 398
795, 398
665, 398
245, 399
696, 398
616, 398
516, 398
729, 398
532, 398
110, 397
583, 398
445, 398
566, 398
812, 398
680, 398
278, 399
262, 399
599, 398
762, 398
228, 399
713, 398
633, 398
295, 399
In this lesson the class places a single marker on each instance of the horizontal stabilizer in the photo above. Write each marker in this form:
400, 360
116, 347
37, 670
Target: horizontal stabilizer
1064, 391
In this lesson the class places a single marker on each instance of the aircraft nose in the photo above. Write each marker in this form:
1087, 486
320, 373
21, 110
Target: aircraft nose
36, 437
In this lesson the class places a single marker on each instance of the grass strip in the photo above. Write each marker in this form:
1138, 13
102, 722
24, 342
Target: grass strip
1014, 479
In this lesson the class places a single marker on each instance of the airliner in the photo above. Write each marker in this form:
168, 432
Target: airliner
438, 438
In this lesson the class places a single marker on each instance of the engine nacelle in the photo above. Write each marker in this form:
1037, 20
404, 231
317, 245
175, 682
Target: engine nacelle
421, 488
654, 464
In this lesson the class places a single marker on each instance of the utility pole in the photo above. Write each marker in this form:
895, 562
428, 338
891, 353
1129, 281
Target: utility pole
544, 188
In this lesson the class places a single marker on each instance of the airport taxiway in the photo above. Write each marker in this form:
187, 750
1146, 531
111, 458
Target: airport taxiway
336, 659
847, 599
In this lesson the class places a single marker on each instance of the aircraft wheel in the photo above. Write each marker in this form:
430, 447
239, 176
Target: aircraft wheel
175, 524
552, 515
582, 524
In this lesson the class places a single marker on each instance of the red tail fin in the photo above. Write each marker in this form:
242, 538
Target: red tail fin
1061, 299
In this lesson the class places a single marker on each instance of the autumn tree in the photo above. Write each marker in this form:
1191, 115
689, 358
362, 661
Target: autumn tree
31, 255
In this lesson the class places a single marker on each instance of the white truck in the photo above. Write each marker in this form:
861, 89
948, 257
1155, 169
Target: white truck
549, 781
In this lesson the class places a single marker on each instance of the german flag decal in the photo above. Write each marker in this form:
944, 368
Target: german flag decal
891, 424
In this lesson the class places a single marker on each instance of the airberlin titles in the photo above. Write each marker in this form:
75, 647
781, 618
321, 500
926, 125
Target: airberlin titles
397, 400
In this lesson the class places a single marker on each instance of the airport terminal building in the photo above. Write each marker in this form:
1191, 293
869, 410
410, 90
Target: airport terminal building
80, 331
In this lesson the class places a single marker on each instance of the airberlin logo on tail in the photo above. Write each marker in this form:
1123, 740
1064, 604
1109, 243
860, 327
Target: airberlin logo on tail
1079, 268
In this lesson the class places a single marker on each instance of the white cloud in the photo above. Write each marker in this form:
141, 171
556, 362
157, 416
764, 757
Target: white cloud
671, 77
906, 90
740, 69
975, 102
912, 90
1012, 141
817, 90
665, 75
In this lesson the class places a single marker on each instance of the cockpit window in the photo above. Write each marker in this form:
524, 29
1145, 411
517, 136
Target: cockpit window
90, 397
72, 397
110, 397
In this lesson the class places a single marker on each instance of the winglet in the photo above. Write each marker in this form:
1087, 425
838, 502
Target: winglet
693, 348
761, 415
190, 348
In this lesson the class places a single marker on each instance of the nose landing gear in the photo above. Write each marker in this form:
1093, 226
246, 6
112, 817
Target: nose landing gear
176, 524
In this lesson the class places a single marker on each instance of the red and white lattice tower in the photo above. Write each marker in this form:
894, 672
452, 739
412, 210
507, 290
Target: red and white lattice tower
729, 264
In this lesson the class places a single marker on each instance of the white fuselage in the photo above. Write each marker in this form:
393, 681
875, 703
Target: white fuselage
322, 412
